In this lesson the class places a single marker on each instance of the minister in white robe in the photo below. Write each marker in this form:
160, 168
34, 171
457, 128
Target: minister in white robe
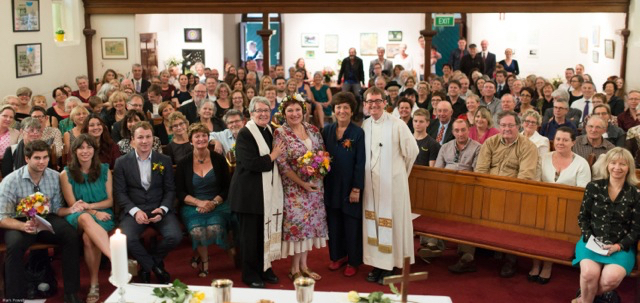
390, 150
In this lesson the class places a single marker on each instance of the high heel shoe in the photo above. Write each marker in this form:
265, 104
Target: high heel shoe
543, 281
204, 268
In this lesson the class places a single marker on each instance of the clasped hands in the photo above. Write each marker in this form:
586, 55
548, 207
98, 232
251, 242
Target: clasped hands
612, 248
205, 206
142, 218
81, 206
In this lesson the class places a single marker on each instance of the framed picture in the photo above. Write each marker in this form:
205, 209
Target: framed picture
310, 40
595, 56
609, 48
331, 43
368, 44
392, 50
114, 48
28, 60
192, 35
595, 36
191, 57
26, 15
395, 36
584, 44
310, 54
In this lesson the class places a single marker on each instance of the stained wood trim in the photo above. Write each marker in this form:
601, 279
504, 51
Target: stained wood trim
353, 6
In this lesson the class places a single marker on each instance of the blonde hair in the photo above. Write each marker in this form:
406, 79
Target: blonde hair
601, 167
534, 114
118, 96
76, 110
486, 114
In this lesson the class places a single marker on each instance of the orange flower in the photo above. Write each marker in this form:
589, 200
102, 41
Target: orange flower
347, 144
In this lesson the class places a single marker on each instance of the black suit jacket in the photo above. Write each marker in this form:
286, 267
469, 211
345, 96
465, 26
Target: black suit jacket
245, 191
489, 63
467, 64
505, 90
190, 111
357, 68
184, 175
144, 85
434, 127
128, 190
573, 115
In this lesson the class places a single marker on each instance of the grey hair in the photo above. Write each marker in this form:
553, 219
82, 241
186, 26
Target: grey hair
258, 99
231, 113
380, 48
135, 65
560, 94
81, 77
205, 101
69, 100
30, 123
104, 90
534, 114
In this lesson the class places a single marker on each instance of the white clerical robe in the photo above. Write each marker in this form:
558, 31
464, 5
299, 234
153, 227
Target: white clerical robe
402, 153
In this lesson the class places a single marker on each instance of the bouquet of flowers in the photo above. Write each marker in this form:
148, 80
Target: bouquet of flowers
34, 204
557, 81
327, 73
314, 165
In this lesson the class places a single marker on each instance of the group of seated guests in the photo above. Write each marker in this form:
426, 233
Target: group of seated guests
491, 126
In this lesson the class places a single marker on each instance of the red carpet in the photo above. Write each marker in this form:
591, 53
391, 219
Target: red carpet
485, 285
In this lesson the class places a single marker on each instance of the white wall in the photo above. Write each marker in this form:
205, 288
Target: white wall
555, 37
170, 30
348, 28
633, 51
114, 26
61, 62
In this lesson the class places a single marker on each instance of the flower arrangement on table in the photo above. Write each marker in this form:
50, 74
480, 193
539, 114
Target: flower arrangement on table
32, 205
172, 61
327, 73
556, 82
178, 292
374, 297
314, 165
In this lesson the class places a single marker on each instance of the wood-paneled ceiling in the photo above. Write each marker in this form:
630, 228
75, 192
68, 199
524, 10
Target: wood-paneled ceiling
350, 6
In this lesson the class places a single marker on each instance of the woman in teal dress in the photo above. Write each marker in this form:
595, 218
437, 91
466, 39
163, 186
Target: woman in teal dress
322, 94
610, 213
202, 184
86, 185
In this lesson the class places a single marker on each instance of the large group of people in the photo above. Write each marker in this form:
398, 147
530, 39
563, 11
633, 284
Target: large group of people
159, 149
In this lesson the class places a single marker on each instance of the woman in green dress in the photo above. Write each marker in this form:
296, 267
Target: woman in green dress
86, 185
202, 184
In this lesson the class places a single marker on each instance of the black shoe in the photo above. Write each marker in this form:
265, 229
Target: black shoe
508, 269
608, 297
145, 276
254, 284
161, 274
270, 277
374, 275
462, 266
532, 278
542, 280
71, 298
383, 274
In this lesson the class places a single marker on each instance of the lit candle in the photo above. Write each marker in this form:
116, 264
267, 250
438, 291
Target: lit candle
119, 261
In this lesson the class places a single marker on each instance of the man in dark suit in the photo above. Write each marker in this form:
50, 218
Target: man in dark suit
471, 61
144, 188
139, 85
502, 87
458, 53
353, 71
441, 129
137, 103
489, 59
190, 108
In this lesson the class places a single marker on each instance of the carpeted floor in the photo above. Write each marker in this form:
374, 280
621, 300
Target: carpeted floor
485, 285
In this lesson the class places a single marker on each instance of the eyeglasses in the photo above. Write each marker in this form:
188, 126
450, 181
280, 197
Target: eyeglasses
507, 125
261, 111
179, 125
33, 131
559, 108
237, 98
633, 99
530, 122
200, 91
234, 121
376, 101
601, 114
523, 96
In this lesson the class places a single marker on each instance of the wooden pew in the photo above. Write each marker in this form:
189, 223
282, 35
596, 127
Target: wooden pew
527, 218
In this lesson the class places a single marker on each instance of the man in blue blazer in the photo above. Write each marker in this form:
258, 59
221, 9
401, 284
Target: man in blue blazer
145, 190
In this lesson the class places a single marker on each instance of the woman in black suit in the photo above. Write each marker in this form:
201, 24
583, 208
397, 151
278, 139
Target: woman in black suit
345, 142
255, 160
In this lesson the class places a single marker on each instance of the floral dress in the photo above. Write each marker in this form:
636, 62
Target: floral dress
305, 218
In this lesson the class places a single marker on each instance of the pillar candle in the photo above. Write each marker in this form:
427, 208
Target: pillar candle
119, 261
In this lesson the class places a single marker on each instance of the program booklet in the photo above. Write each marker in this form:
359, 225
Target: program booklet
596, 245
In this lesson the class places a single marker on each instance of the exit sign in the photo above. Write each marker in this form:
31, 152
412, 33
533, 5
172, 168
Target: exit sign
444, 20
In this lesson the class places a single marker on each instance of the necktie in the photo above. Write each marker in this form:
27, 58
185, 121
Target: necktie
585, 112
440, 133
499, 87
484, 56
138, 86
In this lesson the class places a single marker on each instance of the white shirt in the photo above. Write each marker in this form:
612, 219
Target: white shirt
225, 137
580, 103
578, 173
144, 166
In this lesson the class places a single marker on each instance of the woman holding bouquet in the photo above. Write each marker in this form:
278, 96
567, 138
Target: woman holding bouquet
86, 185
304, 222
345, 141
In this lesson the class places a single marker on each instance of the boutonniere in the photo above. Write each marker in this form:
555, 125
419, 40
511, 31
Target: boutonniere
158, 167
347, 144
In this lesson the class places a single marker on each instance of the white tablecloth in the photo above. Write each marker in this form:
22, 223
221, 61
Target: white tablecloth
141, 293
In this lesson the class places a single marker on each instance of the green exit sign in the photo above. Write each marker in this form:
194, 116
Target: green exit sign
444, 20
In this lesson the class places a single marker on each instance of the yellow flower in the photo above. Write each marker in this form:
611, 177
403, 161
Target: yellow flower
199, 295
353, 296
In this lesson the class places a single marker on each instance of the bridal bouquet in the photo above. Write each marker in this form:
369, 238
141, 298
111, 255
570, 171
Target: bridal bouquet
34, 204
315, 165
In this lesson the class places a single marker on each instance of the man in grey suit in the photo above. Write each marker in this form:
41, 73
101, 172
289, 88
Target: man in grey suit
145, 190
387, 65
489, 59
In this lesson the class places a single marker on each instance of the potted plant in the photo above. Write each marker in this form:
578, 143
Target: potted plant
60, 35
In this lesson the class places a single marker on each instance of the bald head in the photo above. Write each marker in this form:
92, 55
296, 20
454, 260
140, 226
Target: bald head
444, 112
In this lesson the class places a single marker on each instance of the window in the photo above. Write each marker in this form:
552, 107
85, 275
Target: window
64, 15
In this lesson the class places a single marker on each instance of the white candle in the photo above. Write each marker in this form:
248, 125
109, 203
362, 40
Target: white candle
119, 261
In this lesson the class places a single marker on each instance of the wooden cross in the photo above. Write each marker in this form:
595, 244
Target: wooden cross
277, 215
405, 278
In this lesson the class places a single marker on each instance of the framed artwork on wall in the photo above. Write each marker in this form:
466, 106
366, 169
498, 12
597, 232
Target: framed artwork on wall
192, 35
392, 50
609, 48
595, 36
310, 40
595, 56
310, 54
584, 44
28, 60
26, 15
114, 48
395, 36
368, 44
191, 57
331, 43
